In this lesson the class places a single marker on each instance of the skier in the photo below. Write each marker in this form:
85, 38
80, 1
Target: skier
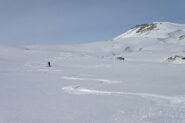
49, 64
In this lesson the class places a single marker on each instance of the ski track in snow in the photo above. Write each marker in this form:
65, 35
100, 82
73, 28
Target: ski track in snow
80, 91
91, 79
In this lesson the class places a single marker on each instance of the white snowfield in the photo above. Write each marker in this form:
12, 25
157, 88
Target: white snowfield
138, 77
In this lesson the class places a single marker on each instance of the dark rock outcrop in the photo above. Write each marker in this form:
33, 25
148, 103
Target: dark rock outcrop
145, 27
182, 37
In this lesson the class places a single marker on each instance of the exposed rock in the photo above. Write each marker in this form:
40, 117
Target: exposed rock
182, 37
128, 49
145, 27
121, 58
173, 58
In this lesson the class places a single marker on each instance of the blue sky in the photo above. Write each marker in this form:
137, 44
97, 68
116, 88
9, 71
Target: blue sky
32, 22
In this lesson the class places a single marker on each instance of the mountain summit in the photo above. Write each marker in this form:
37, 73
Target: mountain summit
159, 30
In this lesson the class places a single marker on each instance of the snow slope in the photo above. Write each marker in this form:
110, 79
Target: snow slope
88, 84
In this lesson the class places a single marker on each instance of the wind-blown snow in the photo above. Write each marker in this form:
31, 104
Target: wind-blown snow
135, 78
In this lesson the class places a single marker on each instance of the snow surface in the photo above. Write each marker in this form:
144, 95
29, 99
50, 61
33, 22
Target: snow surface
88, 84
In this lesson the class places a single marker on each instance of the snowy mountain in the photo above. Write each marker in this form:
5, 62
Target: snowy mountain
138, 77
158, 30
158, 36
158, 33
155, 42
